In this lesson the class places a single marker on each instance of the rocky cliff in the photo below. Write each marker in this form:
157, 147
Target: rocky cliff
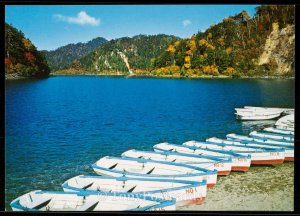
279, 51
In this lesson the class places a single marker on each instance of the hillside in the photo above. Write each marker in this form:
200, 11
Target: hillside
21, 57
240, 45
125, 55
64, 56
236, 47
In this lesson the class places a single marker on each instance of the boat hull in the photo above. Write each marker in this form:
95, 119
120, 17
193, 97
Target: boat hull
223, 167
282, 138
239, 162
133, 167
279, 131
256, 117
182, 191
70, 201
211, 180
258, 155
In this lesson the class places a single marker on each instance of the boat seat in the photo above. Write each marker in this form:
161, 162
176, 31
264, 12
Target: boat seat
87, 186
131, 189
150, 171
113, 166
38, 204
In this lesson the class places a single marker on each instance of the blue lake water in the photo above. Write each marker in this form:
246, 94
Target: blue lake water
57, 127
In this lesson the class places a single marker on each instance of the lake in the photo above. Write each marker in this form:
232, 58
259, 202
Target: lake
57, 127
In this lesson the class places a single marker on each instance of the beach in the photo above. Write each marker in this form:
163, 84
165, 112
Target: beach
262, 188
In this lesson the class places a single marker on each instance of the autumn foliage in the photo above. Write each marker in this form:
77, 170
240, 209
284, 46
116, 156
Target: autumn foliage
230, 47
21, 56
30, 57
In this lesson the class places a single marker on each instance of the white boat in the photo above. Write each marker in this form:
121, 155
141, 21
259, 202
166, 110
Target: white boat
208, 162
253, 115
69, 201
278, 137
278, 131
268, 108
258, 111
286, 122
243, 138
134, 167
284, 110
285, 127
258, 155
185, 192
239, 162
288, 149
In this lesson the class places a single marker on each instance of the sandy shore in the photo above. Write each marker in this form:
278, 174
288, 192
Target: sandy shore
262, 188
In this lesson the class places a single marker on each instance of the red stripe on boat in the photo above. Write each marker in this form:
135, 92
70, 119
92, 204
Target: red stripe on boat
196, 201
240, 168
289, 159
225, 172
278, 161
210, 185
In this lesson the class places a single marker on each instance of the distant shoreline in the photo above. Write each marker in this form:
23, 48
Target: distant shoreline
17, 77
176, 77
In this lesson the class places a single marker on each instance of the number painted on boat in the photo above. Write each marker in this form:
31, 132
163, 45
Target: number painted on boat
219, 165
241, 160
189, 190
274, 153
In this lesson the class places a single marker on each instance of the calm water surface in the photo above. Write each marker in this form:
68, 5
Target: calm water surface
57, 127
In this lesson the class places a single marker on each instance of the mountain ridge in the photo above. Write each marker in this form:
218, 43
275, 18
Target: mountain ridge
63, 56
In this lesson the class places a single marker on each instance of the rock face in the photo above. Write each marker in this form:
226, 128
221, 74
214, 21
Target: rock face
125, 60
279, 50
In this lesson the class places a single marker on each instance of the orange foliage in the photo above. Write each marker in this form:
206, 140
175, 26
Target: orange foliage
7, 61
211, 70
229, 71
28, 45
30, 57
189, 52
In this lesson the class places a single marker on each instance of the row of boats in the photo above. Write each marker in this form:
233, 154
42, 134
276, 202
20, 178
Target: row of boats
261, 113
170, 176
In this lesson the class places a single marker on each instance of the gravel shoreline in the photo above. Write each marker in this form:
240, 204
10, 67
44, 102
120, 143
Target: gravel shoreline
262, 188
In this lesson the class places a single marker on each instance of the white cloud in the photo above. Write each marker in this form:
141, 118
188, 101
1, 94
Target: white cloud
186, 22
82, 18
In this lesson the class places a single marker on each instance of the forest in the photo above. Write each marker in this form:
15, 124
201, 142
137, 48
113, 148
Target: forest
22, 59
230, 48
239, 46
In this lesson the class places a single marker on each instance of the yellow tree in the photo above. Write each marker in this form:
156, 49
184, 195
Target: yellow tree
209, 36
221, 41
187, 62
177, 43
27, 44
171, 49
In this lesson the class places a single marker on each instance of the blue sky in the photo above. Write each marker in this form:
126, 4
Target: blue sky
50, 27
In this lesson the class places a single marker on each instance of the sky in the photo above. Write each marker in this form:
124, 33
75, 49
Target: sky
52, 26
